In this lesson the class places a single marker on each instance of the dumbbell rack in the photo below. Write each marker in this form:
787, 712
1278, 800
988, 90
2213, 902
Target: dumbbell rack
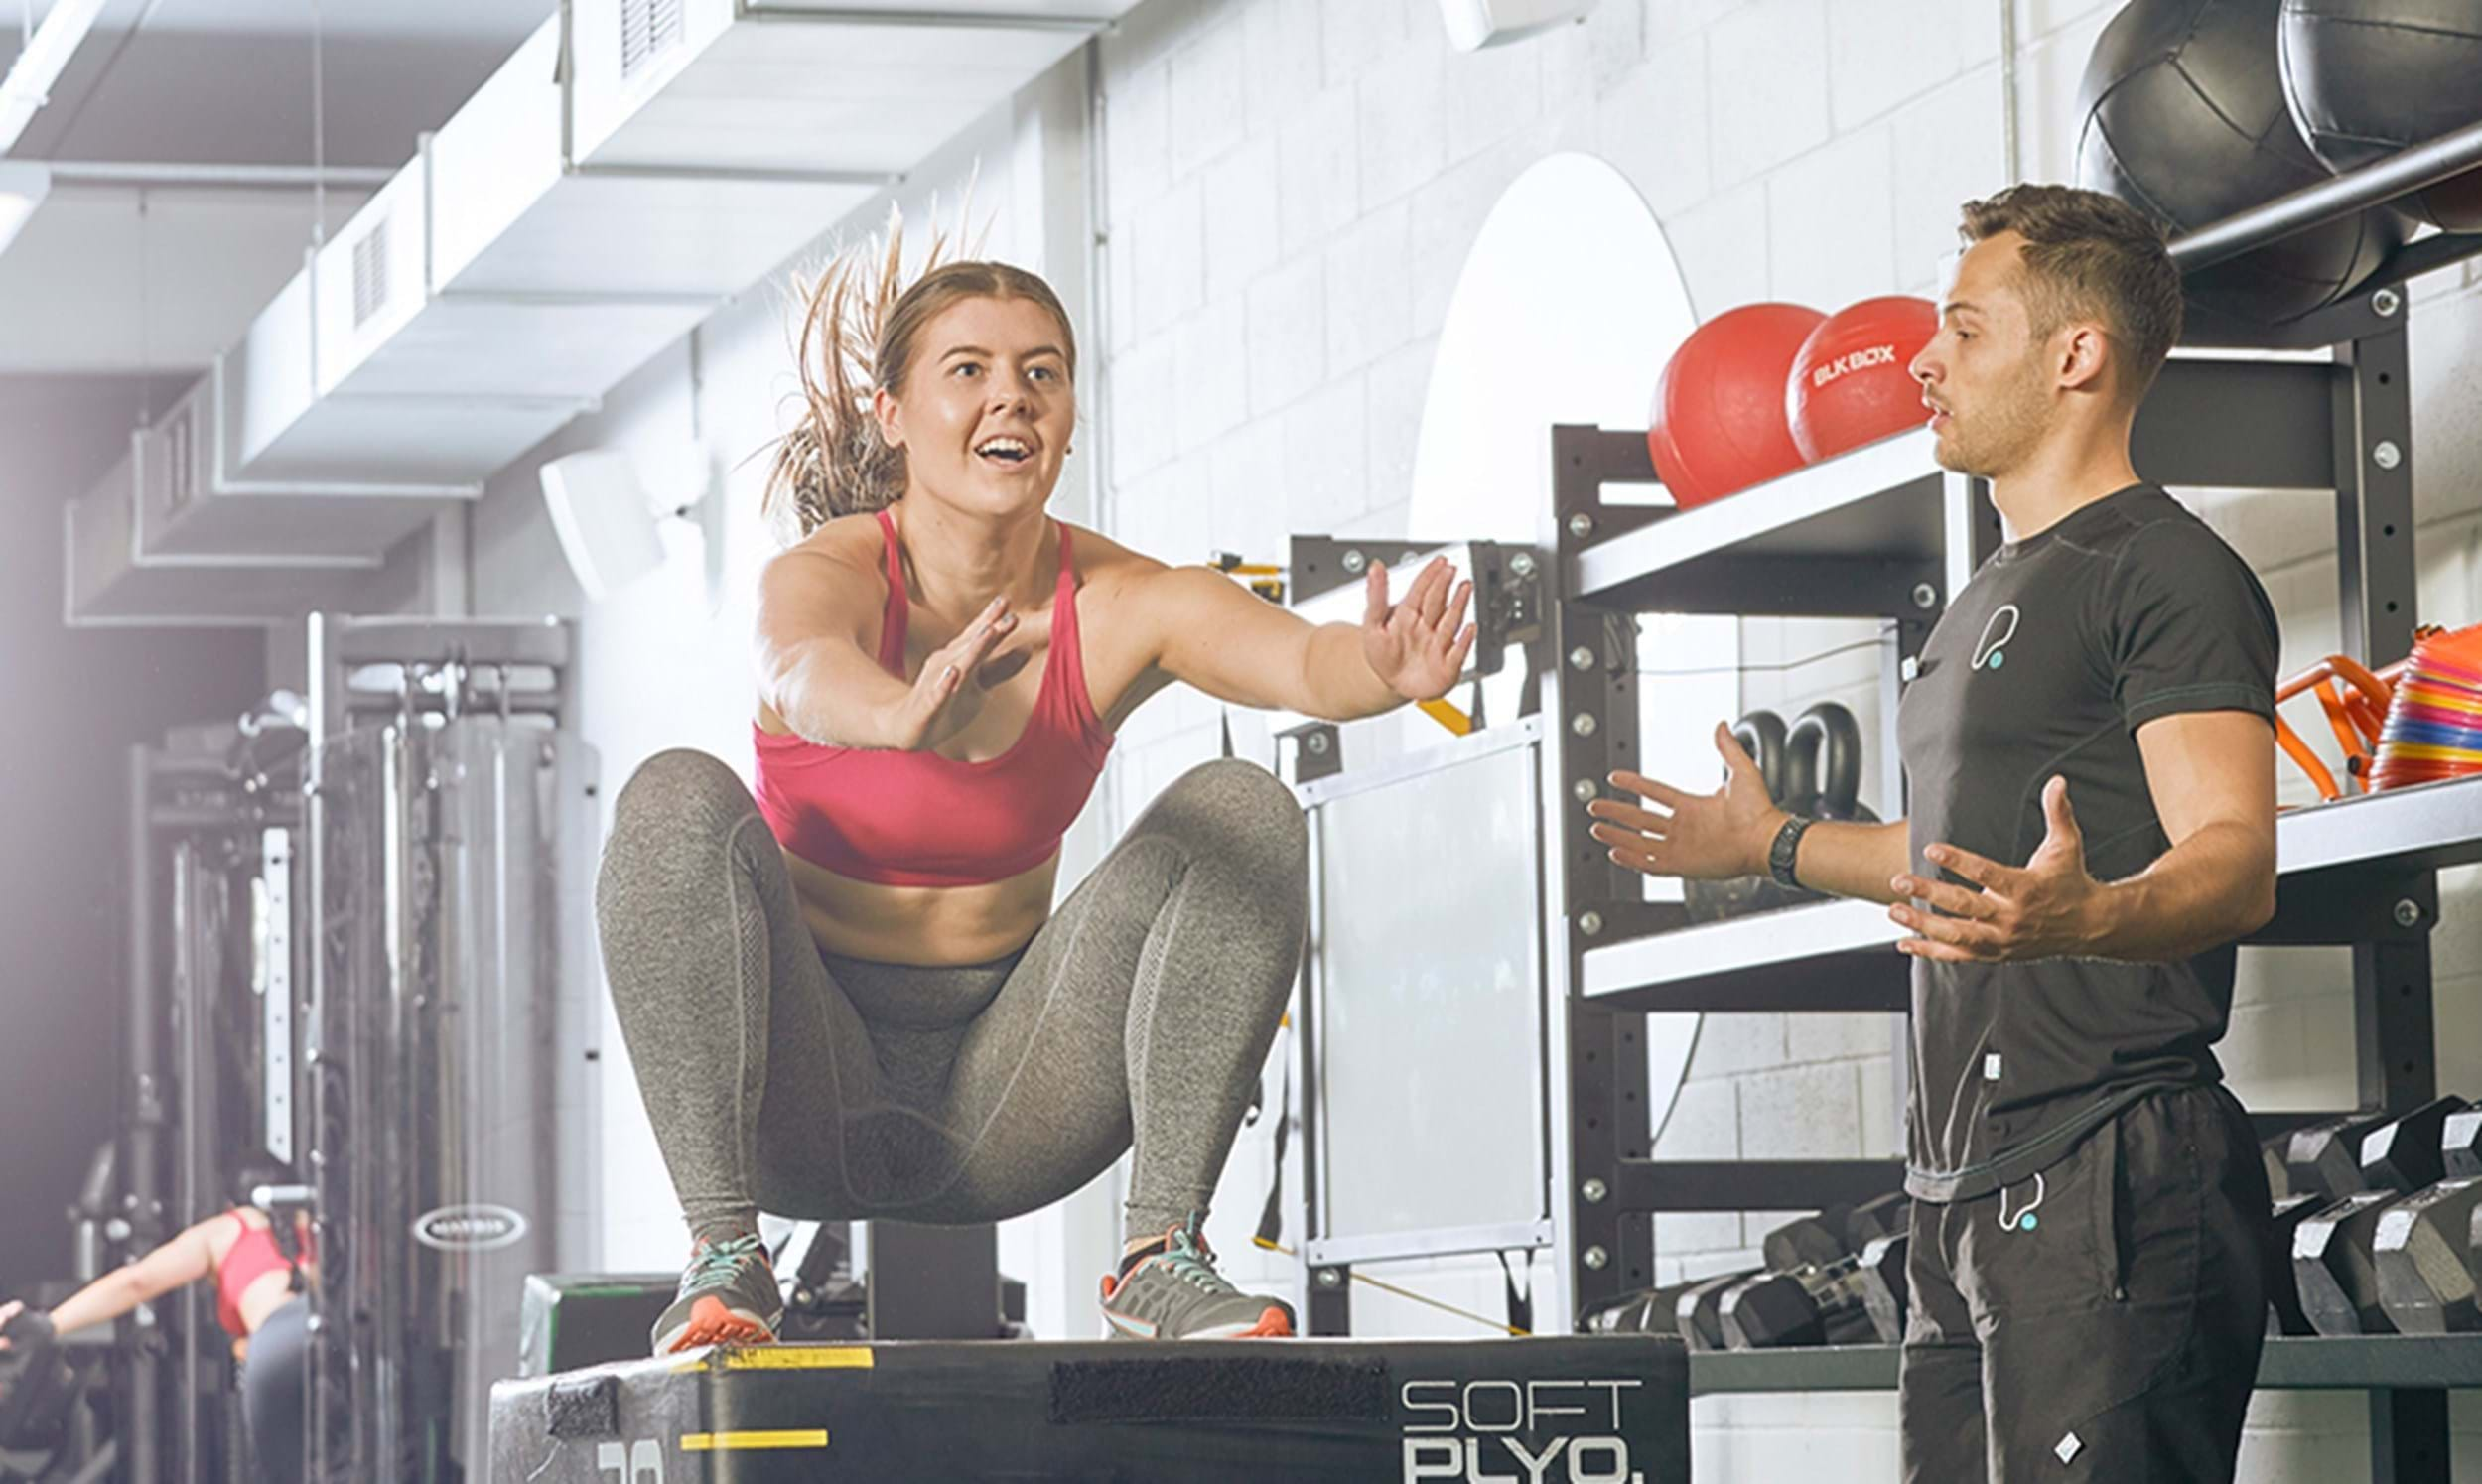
1884, 532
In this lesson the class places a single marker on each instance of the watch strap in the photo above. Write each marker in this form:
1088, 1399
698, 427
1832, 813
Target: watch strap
1785, 848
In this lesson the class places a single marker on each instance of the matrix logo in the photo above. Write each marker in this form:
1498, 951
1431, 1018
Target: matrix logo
470, 1228
1477, 1432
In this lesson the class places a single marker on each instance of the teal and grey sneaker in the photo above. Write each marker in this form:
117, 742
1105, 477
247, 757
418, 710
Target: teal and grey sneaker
728, 1298
1177, 1295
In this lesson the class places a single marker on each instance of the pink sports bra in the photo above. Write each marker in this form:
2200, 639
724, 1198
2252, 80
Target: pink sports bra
917, 819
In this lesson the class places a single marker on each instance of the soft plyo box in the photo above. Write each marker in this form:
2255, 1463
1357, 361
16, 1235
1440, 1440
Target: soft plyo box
1584, 1410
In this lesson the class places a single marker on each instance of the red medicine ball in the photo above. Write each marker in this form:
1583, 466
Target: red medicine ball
1718, 417
1850, 385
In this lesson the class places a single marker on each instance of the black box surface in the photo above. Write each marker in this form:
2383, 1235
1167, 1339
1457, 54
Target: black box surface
1584, 1410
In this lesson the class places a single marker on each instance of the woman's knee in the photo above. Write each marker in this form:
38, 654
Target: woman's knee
672, 825
677, 789
679, 800
1247, 811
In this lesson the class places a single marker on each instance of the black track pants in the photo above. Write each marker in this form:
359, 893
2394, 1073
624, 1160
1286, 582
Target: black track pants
2109, 1329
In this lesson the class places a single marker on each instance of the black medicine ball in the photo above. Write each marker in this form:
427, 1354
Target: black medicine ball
2367, 77
2183, 115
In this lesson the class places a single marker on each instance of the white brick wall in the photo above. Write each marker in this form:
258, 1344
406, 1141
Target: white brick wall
1293, 186
1770, 59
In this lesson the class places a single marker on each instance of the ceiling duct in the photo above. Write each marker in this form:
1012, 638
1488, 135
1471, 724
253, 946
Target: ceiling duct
635, 163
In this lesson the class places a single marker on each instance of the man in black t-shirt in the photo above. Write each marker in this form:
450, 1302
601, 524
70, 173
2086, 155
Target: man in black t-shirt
2087, 746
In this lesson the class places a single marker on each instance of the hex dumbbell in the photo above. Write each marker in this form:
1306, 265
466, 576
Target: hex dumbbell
2334, 1265
1698, 1313
2283, 1292
2422, 1253
1850, 1302
2405, 1152
2460, 1145
1813, 1241
1890, 1215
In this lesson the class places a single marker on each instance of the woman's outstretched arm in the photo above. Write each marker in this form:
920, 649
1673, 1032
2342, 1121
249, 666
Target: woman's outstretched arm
184, 1259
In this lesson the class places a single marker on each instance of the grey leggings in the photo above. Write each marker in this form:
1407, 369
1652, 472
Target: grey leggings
813, 1085
272, 1386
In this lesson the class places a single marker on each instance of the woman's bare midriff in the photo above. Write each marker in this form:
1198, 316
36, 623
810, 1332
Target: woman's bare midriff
926, 925
263, 1294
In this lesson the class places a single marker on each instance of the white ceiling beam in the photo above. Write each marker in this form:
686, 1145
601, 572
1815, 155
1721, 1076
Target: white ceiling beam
28, 87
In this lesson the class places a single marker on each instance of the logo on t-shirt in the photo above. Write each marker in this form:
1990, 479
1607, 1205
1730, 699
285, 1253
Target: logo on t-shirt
1990, 651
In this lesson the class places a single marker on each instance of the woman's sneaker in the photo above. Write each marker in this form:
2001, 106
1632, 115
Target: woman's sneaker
728, 1298
1177, 1295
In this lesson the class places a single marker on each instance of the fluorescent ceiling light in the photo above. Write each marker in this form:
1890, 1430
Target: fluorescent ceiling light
23, 187
29, 83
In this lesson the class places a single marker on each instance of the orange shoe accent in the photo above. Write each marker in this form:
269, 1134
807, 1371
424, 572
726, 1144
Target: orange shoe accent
711, 1324
1274, 1324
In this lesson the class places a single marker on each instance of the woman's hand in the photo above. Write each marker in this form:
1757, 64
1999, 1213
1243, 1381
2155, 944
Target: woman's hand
8, 1311
1416, 646
1700, 836
949, 693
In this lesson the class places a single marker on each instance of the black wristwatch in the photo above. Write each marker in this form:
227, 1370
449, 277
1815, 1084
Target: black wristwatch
1785, 847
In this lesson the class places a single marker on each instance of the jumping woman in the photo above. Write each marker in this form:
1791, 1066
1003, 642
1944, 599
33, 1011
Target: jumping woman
846, 994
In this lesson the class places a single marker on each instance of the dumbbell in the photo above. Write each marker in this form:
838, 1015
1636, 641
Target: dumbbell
2406, 1153
1641, 1311
2283, 1292
2271, 1152
2334, 1265
1850, 1303
2361, 1151
1698, 1314
2460, 1145
1888, 1297
1890, 1215
2422, 1254
2334, 1251
1813, 1241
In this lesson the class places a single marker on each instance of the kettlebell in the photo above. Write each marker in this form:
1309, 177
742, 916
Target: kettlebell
1813, 767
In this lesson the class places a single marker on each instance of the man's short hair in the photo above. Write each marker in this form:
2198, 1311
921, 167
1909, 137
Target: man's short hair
2090, 255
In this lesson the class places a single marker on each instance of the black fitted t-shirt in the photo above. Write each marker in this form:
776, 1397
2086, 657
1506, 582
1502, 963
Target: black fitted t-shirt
2050, 659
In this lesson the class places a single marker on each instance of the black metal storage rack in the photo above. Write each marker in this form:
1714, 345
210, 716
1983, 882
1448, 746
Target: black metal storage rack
1882, 532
